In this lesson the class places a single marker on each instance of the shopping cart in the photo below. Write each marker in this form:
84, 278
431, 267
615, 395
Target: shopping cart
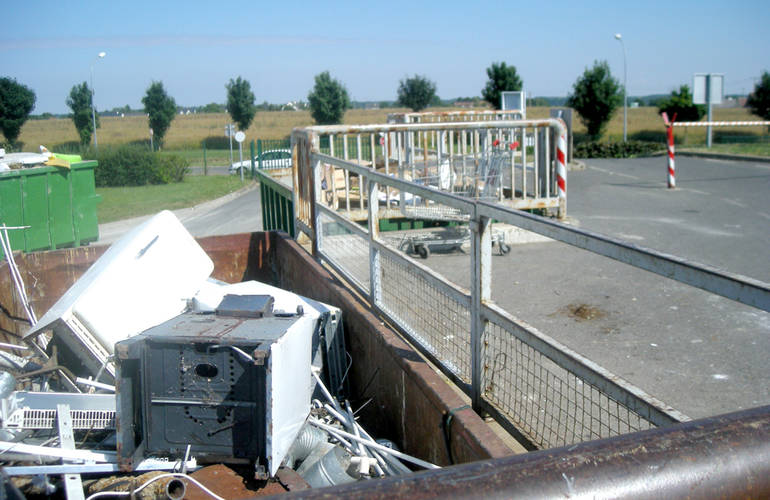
479, 179
476, 178
446, 240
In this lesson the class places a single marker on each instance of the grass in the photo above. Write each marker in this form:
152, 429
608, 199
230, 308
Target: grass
214, 157
757, 149
126, 202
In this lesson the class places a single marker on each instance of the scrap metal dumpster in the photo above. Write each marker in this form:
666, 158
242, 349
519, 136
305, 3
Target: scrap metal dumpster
720, 457
409, 403
58, 205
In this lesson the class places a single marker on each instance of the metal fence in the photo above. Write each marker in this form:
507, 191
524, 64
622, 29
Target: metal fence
277, 204
536, 387
517, 164
268, 147
454, 116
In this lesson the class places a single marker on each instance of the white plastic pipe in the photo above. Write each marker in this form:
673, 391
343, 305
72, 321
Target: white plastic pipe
377, 446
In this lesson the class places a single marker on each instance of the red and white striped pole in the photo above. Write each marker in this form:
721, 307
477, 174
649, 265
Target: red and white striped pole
561, 171
671, 167
670, 148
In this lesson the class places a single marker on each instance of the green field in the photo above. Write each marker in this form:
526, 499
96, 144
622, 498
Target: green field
126, 202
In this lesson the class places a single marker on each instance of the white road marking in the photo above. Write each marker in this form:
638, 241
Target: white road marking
733, 202
610, 172
696, 191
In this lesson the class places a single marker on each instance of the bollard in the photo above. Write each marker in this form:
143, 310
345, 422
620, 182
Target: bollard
561, 173
671, 168
670, 148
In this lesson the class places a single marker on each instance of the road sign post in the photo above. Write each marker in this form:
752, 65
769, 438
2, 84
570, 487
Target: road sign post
229, 132
239, 137
708, 88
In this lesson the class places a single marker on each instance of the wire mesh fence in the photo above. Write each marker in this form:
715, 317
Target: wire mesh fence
435, 316
346, 249
549, 404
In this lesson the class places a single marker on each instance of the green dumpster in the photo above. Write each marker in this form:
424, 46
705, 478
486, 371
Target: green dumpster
58, 204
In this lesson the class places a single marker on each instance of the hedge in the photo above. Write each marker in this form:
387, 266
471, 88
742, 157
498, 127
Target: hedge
630, 149
136, 166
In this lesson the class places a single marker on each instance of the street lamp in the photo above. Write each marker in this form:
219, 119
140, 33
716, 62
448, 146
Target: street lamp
619, 38
93, 111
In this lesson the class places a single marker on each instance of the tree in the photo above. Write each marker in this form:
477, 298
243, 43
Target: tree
759, 100
161, 108
680, 102
240, 102
595, 96
501, 78
416, 93
16, 103
328, 100
80, 101
213, 107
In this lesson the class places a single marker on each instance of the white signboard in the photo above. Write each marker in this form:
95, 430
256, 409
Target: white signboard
514, 101
240, 136
707, 87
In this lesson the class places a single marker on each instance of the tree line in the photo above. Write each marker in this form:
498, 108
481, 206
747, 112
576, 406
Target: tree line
595, 96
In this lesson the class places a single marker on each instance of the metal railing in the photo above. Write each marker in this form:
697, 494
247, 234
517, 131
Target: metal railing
519, 164
270, 146
536, 387
277, 204
454, 116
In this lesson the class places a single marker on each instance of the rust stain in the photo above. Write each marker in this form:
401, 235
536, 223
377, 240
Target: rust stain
583, 312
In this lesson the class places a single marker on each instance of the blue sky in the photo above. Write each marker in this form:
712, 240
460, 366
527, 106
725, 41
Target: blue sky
195, 47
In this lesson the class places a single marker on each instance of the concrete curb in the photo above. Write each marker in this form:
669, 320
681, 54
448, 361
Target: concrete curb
720, 156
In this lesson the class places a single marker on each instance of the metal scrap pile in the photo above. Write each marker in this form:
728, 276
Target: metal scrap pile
147, 369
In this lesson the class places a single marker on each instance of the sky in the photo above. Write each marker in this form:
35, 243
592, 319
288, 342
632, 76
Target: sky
195, 47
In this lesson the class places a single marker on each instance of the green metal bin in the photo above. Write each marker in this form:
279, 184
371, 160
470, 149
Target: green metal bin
58, 204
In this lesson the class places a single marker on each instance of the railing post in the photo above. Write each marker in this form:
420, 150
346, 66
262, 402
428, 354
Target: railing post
375, 291
481, 277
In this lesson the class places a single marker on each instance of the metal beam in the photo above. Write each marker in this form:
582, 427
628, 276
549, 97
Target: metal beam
717, 457
740, 288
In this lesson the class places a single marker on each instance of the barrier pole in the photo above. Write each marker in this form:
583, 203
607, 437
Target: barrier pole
671, 167
561, 172
670, 148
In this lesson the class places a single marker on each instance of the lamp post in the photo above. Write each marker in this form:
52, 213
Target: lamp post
619, 38
93, 110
